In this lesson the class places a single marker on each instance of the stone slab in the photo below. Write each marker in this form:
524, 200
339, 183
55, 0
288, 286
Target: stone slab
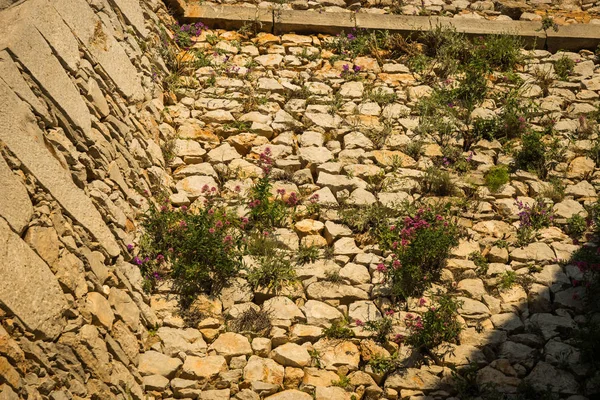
132, 10
44, 17
33, 52
28, 288
21, 134
15, 205
9, 72
303, 22
572, 37
230, 18
105, 49
411, 25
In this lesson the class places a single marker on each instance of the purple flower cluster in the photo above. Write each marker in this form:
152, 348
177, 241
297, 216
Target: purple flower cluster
193, 29
539, 215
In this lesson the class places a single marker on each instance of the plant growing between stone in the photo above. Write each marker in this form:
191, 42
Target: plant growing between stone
199, 251
420, 244
496, 177
532, 218
338, 330
436, 326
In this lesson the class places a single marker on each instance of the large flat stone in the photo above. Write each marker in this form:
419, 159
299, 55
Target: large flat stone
97, 38
15, 205
28, 288
30, 48
52, 27
10, 74
19, 131
132, 10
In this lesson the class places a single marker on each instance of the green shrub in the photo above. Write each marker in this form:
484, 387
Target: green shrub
202, 248
333, 276
532, 156
414, 149
381, 327
508, 279
564, 67
382, 97
266, 211
479, 261
576, 226
496, 177
365, 219
512, 120
437, 182
502, 52
307, 255
343, 382
556, 190
338, 330
420, 243
533, 218
383, 365
437, 325
274, 269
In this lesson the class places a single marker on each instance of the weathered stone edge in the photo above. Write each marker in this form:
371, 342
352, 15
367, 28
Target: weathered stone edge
568, 37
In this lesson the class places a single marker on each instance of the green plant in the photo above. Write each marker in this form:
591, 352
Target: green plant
212, 39
168, 149
333, 276
508, 279
556, 190
251, 320
336, 103
502, 52
437, 182
201, 248
365, 219
184, 34
307, 255
544, 79
382, 97
274, 269
338, 330
266, 211
537, 155
382, 327
420, 244
533, 218
548, 23
436, 326
564, 67
576, 226
315, 358
496, 177
414, 149
343, 382
465, 381
383, 365
480, 262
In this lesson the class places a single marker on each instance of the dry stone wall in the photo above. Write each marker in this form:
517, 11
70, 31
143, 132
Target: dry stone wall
80, 113
87, 138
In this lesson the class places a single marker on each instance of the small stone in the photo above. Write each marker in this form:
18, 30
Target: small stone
292, 355
155, 363
231, 344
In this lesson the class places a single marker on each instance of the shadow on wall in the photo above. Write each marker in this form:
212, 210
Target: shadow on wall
7, 3
539, 340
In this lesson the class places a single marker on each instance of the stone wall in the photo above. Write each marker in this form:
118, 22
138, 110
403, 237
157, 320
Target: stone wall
80, 140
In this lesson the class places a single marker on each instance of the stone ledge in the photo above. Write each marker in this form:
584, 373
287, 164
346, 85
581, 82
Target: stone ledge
568, 37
